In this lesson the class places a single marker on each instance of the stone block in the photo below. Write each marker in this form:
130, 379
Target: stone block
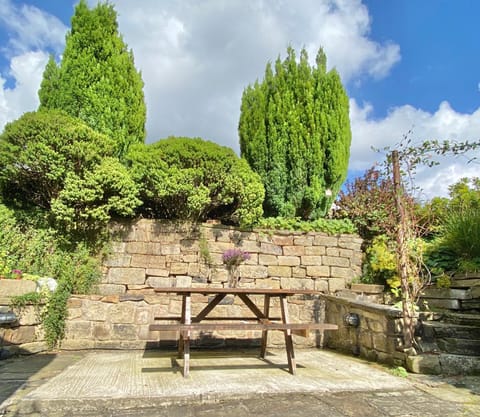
94, 310
147, 261
144, 248
29, 315
77, 344
155, 272
335, 284
447, 293
321, 285
279, 271
101, 331
443, 303
367, 288
172, 249
424, 364
110, 289
219, 247
183, 281
124, 331
249, 271
126, 276
297, 283
335, 261
251, 246
338, 272
33, 347
325, 240
318, 271
121, 313
305, 240
266, 283
270, 249
288, 260
15, 287
78, 329
312, 260
282, 240
350, 242
267, 259
299, 272
294, 250
19, 335
315, 250
143, 315
332, 252
118, 260
178, 268
346, 253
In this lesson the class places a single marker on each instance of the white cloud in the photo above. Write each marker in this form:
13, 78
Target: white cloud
444, 124
30, 28
27, 70
197, 57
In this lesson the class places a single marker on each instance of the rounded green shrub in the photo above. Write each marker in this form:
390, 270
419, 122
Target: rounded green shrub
194, 179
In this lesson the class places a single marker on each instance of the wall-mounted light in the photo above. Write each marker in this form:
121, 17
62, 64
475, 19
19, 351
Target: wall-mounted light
351, 319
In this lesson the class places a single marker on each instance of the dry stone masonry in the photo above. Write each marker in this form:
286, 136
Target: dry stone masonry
148, 254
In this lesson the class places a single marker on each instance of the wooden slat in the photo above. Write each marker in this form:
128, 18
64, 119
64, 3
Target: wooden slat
219, 318
255, 291
198, 327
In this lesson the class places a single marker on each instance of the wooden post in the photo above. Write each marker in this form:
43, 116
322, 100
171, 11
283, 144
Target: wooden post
402, 252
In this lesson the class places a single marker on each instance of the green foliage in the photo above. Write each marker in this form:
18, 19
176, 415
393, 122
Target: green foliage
21, 301
96, 80
43, 252
294, 131
463, 195
37, 152
330, 226
182, 178
399, 371
461, 234
55, 162
87, 202
369, 202
380, 265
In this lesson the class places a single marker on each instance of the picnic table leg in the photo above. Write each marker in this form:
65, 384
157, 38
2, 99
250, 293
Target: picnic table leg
288, 336
185, 336
266, 312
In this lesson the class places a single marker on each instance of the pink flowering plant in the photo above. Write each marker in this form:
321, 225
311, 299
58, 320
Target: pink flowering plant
232, 258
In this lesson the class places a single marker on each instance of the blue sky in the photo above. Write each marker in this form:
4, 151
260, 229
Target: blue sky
406, 64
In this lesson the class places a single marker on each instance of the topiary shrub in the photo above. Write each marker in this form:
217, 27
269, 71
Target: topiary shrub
193, 179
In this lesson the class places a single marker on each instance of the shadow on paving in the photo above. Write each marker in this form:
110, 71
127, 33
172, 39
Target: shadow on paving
16, 371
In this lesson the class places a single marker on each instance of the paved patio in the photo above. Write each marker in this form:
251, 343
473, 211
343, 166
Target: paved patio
150, 383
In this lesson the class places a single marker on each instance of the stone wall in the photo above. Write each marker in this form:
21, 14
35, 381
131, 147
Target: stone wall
378, 335
25, 335
149, 254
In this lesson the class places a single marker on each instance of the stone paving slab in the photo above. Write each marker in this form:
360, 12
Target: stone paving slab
236, 383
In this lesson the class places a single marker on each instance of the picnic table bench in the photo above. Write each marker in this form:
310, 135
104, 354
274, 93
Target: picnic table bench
261, 320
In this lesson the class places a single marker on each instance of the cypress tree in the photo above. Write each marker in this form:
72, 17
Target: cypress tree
294, 131
96, 80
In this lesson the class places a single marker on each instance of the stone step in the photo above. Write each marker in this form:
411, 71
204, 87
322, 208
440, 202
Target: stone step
461, 318
447, 293
435, 329
457, 346
444, 363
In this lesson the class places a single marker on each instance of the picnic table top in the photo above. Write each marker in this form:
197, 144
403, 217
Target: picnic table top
242, 290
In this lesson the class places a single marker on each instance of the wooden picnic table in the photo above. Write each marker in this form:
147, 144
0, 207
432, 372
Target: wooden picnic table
261, 320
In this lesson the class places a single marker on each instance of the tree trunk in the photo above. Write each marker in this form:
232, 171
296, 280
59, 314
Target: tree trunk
402, 252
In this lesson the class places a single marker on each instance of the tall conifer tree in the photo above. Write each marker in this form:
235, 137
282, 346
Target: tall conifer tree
294, 131
96, 80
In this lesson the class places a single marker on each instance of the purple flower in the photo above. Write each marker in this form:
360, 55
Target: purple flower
234, 257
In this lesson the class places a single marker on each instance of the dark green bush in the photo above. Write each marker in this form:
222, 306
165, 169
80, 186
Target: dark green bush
183, 178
